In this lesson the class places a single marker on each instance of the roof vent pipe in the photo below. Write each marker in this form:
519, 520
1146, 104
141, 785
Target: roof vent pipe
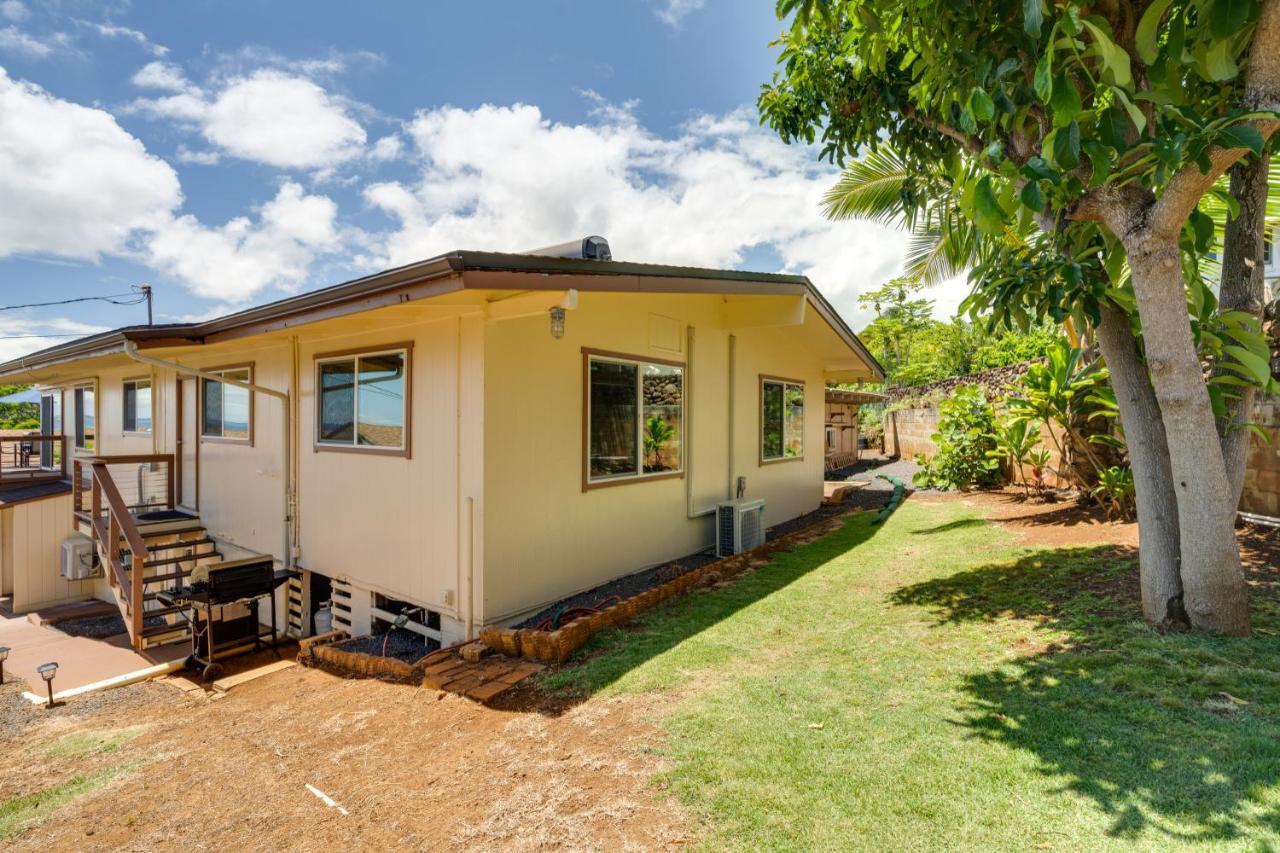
592, 248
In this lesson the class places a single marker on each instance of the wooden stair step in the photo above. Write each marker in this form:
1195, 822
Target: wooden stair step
159, 611
170, 576
172, 532
167, 628
126, 554
181, 543
181, 558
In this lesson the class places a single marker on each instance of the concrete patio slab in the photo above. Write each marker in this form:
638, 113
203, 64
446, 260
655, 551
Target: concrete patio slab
81, 660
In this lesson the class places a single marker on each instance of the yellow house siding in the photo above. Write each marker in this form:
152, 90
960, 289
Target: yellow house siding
31, 537
544, 536
388, 523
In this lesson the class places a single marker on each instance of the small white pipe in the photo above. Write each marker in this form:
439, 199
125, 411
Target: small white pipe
471, 565
131, 350
733, 415
691, 511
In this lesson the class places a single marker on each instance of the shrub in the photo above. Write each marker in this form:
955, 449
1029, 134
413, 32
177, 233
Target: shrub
966, 425
1115, 492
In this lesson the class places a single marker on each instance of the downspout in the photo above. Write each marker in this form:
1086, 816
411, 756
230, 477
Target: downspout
131, 350
733, 382
688, 431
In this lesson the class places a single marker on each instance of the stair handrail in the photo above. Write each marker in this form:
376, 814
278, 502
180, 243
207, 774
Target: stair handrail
119, 523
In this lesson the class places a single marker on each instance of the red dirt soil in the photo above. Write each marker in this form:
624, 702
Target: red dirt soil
413, 768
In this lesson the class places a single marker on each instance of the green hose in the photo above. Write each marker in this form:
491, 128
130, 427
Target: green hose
895, 500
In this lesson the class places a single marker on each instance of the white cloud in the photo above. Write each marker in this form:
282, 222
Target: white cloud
74, 184
236, 261
199, 158
506, 178
15, 40
164, 76
72, 181
14, 10
269, 117
673, 12
28, 333
387, 148
113, 31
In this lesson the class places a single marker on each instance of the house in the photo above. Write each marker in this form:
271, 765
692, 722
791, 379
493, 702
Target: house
465, 439
842, 446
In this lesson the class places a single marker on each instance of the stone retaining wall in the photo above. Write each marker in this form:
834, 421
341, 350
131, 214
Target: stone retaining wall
1262, 473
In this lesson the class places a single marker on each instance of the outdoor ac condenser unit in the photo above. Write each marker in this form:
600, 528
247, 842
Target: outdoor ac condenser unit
739, 527
79, 558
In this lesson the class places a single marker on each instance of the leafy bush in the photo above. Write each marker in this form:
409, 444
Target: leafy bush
1115, 491
1016, 441
966, 425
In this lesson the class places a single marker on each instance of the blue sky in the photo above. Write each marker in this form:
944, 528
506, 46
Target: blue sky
231, 154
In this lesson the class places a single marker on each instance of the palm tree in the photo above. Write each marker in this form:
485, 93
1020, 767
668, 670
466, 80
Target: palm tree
942, 240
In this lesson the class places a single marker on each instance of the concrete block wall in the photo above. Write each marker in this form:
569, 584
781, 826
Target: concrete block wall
1262, 472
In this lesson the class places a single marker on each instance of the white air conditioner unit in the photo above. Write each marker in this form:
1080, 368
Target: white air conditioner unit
79, 558
739, 527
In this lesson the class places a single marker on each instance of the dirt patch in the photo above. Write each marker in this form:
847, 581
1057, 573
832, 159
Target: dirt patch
1043, 524
413, 769
1067, 524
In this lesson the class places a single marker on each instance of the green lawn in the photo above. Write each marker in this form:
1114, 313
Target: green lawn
929, 684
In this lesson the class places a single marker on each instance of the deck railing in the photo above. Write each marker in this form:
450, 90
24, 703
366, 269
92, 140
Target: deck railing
145, 481
113, 525
32, 458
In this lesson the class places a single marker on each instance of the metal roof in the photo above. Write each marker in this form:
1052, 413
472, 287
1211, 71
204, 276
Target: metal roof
443, 274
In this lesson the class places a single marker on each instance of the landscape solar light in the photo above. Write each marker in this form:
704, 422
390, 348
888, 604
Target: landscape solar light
557, 322
4, 656
47, 672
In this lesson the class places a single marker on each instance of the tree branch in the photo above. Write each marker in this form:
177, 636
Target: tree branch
969, 143
1261, 94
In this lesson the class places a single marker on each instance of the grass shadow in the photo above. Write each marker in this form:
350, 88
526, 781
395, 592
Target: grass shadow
1176, 735
615, 652
957, 524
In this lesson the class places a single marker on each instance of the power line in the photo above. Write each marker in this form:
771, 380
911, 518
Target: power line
20, 337
133, 298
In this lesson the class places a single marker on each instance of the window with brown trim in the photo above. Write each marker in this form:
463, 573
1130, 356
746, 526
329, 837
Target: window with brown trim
781, 419
226, 411
634, 418
362, 401
86, 416
137, 405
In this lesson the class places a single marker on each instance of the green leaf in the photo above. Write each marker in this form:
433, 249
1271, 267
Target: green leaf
1226, 17
1114, 58
1065, 101
1218, 63
1202, 226
981, 105
1148, 31
1113, 128
1066, 146
988, 214
1242, 136
1135, 115
1032, 197
1032, 17
1043, 80
1259, 367
1037, 168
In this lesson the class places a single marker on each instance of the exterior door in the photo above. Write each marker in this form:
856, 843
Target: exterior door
188, 443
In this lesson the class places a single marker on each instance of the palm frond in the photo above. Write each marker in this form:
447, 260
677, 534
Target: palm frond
870, 188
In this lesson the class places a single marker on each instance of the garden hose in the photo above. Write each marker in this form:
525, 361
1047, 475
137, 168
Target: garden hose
899, 492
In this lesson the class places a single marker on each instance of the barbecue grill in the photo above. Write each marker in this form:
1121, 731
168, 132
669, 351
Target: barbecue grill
231, 582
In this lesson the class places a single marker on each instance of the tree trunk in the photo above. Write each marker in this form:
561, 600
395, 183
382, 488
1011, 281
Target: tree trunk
1214, 591
1242, 290
1152, 477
